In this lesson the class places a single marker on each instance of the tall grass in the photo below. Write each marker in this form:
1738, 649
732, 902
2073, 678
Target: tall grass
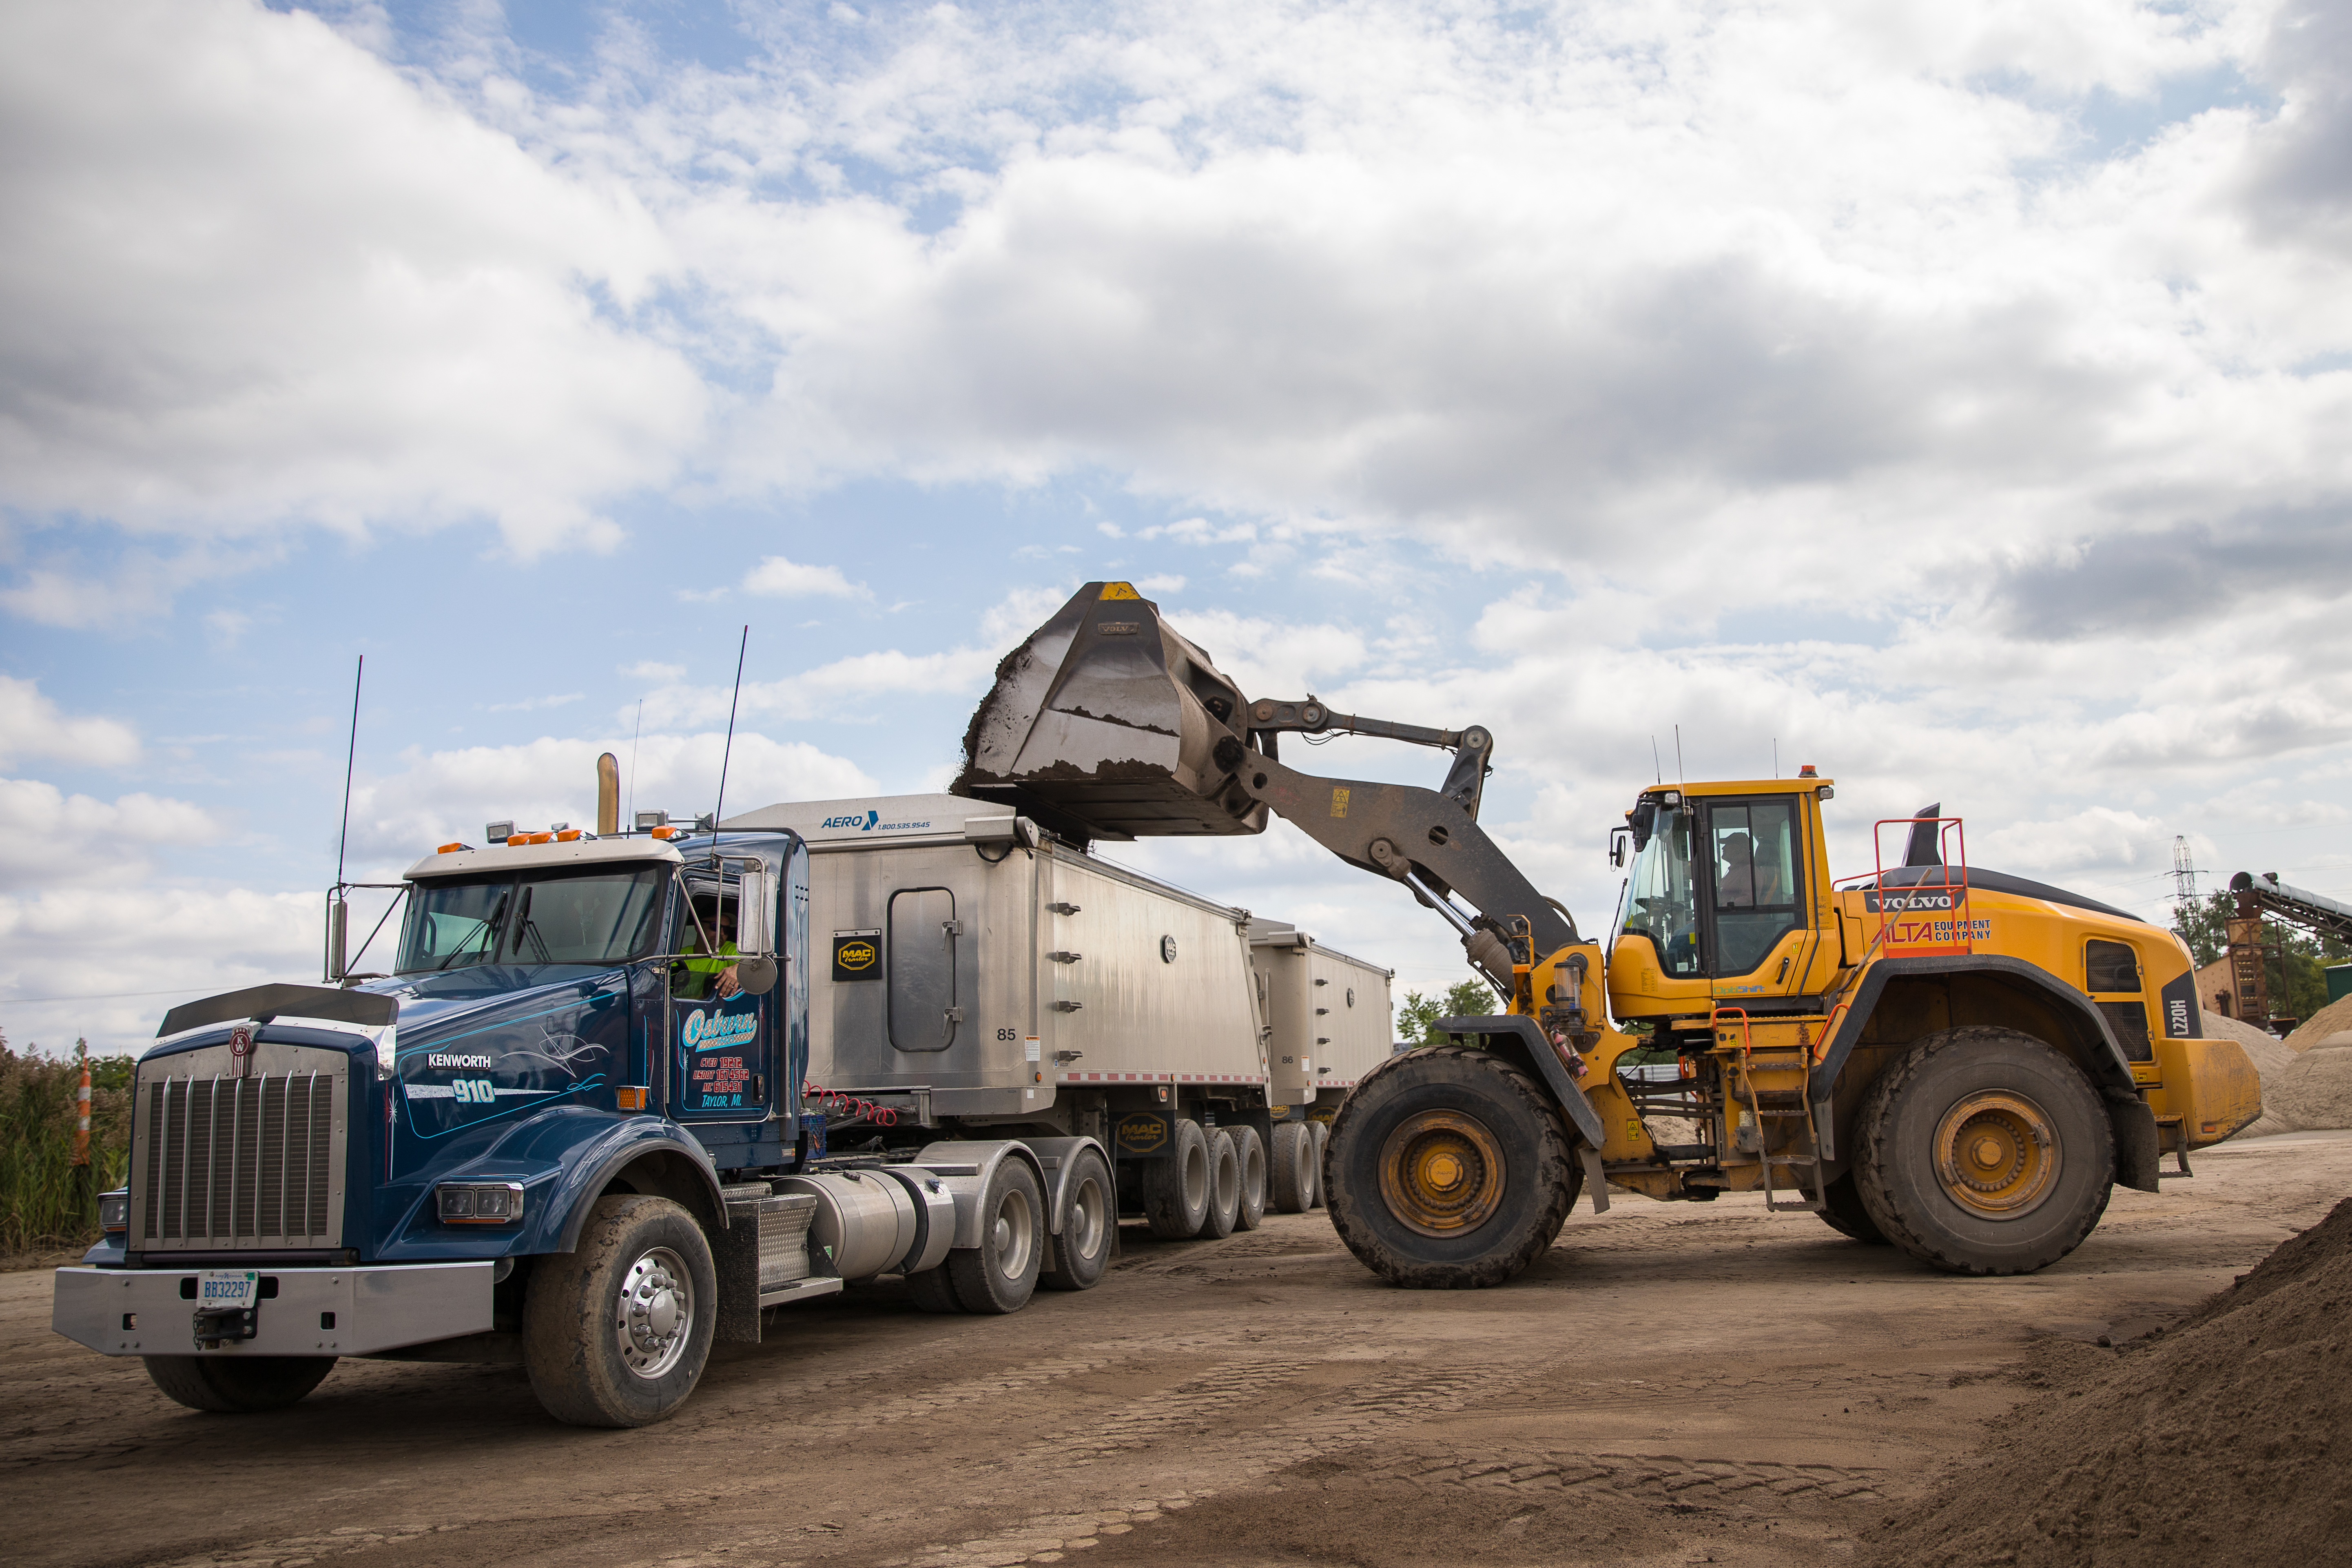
45, 1201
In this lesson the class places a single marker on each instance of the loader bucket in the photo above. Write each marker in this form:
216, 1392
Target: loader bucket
1103, 724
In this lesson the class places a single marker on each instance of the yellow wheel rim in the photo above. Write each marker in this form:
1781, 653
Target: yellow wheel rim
1442, 1173
1997, 1153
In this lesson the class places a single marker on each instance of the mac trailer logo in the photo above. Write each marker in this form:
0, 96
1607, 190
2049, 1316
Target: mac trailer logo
717, 1031
863, 824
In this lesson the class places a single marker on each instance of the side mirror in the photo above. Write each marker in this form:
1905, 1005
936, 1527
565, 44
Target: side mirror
756, 976
1617, 838
755, 916
1643, 820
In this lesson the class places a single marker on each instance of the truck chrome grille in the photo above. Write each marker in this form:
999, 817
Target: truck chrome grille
221, 1161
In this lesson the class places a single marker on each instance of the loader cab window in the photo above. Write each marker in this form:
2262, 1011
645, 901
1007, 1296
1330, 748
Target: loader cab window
1660, 896
1753, 848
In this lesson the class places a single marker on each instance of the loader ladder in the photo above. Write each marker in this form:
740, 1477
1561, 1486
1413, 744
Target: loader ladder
1769, 1104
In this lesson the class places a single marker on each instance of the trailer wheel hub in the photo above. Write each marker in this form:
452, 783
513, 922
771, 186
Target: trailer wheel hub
1997, 1153
1442, 1173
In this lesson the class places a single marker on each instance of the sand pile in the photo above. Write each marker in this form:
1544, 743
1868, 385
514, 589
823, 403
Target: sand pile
2333, 1019
2227, 1440
2314, 1090
2270, 1056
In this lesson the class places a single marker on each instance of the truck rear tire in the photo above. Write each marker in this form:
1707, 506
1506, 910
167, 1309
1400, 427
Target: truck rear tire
1225, 1187
1249, 1154
932, 1291
1320, 1131
1450, 1169
1982, 1150
237, 1385
1000, 1275
616, 1332
1089, 1224
1176, 1187
1841, 1211
1292, 1166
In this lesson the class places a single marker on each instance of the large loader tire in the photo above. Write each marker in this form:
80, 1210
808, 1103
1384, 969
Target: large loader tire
616, 1332
1292, 1168
1176, 1186
238, 1385
1843, 1212
1449, 1169
1249, 1153
1982, 1150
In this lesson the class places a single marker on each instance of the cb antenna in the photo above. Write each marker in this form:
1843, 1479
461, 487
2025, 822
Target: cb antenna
1680, 776
1656, 766
351, 757
720, 808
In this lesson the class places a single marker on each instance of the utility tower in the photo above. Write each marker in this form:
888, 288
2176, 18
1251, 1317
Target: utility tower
2184, 879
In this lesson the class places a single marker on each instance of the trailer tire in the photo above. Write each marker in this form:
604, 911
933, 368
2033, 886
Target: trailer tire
1982, 1150
1225, 1187
1450, 1169
1000, 1275
234, 1384
1249, 1154
932, 1291
616, 1332
1293, 1168
1176, 1188
1089, 1225
1842, 1210
1320, 1131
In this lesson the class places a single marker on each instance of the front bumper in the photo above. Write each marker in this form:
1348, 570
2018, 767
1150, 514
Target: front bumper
313, 1311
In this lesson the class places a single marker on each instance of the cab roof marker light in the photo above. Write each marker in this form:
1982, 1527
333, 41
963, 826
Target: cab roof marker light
452, 848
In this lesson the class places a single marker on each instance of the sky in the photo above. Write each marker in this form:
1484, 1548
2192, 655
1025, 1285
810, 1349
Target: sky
1950, 395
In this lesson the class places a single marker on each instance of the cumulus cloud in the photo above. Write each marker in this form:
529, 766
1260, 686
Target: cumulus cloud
783, 579
259, 277
449, 794
33, 726
52, 835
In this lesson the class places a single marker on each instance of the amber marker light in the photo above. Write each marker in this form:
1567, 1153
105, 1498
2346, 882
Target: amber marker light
630, 1096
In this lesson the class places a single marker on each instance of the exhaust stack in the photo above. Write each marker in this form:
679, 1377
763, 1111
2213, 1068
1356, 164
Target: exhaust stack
1106, 724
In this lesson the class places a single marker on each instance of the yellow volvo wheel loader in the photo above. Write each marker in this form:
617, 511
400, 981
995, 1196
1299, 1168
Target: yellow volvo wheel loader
1956, 1061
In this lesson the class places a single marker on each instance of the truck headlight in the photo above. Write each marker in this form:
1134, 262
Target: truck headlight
114, 1211
479, 1203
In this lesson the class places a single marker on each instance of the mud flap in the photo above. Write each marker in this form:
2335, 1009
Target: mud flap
2139, 1150
1594, 1182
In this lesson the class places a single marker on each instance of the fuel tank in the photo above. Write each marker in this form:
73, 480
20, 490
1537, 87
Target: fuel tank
1103, 723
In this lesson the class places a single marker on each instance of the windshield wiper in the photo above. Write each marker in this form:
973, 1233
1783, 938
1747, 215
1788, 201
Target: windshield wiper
489, 930
524, 924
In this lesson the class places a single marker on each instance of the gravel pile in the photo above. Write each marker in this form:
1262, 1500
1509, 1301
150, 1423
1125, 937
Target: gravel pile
2333, 1019
2270, 1056
2227, 1439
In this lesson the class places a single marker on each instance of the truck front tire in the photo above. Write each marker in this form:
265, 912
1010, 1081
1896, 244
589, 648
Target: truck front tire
1449, 1168
1982, 1150
615, 1333
237, 1385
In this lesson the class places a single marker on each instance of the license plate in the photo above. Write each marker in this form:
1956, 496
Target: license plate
227, 1288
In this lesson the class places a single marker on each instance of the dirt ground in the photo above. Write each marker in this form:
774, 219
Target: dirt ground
1673, 1385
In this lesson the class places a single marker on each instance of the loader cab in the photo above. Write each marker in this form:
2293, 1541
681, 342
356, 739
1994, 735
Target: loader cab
1725, 899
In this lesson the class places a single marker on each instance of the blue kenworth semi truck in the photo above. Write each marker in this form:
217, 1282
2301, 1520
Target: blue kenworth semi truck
569, 1129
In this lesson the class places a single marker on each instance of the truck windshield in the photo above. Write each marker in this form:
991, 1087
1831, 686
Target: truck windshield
1661, 897
605, 916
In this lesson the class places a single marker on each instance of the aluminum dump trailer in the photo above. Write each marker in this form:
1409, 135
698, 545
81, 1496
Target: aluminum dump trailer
973, 974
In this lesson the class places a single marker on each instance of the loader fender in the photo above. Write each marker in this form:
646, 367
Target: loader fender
1520, 1040
2090, 1043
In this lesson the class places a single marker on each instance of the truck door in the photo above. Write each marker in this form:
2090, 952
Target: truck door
723, 1048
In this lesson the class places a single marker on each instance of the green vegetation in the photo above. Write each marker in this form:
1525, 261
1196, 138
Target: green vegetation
1416, 1019
44, 1200
2298, 979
